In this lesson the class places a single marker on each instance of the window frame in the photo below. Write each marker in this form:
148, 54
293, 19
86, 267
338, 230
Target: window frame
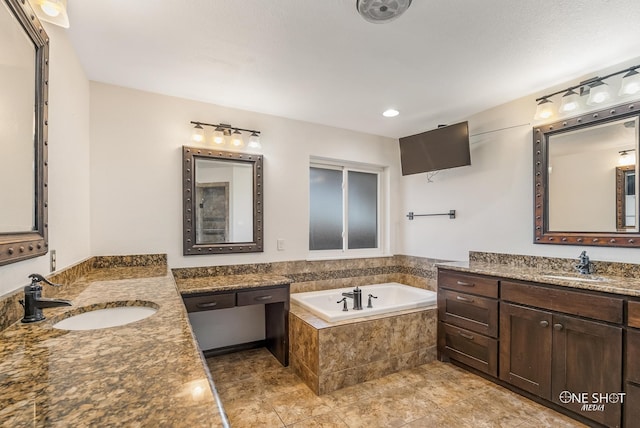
382, 208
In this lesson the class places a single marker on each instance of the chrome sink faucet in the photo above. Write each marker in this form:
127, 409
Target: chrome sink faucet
33, 302
356, 295
584, 265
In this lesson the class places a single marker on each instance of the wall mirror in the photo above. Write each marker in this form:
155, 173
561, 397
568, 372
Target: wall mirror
24, 57
585, 179
222, 201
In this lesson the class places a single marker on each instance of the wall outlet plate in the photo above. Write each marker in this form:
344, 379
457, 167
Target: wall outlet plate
280, 244
52, 260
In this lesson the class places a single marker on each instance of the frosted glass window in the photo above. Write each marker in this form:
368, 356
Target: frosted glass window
325, 210
362, 210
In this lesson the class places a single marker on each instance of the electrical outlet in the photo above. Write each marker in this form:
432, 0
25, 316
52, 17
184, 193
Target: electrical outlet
52, 258
280, 244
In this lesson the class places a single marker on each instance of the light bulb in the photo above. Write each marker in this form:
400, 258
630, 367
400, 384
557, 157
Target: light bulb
218, 136
390, 113
198, 133
51, 8
236, 139
630, 84
598, 93
254, 141
544, 109
570, 102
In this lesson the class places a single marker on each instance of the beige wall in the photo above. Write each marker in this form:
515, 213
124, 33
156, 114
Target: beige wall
136, 154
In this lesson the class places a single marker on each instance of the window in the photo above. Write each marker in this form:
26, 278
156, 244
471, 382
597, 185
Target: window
345, 208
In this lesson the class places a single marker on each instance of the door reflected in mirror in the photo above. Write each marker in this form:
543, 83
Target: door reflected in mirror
583, 179
222, 199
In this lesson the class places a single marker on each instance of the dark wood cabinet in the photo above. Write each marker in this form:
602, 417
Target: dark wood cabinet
547, 340
468, 320
276, 311
525, 348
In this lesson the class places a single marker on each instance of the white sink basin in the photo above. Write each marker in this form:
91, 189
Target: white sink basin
583, 278
105, 318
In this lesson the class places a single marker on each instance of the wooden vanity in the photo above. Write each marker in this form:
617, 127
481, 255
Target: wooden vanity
223, 292
545, 340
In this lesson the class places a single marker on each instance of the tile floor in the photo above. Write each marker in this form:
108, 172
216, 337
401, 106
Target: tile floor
257, 391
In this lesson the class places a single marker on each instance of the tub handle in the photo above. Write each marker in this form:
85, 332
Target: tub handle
371, 296
344, 304
466, 336
466, 284
464, 299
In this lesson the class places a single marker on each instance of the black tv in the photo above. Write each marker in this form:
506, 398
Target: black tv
441, 148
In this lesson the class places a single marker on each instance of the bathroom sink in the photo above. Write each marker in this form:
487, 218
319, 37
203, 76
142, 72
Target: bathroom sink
582, 278
105, 318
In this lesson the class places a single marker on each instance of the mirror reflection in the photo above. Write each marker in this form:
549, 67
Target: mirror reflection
224, 196
582, 178
626, 204
222, 199
17, 117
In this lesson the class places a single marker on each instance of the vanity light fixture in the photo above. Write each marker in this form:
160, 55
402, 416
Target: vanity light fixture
598, 91
224, 133
52, 11
627, 158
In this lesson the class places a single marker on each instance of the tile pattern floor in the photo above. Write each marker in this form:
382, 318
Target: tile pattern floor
257, 391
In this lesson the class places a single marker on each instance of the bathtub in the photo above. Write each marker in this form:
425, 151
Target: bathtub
391, 297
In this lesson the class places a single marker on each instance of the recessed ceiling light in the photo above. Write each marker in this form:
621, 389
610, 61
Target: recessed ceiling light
390, 113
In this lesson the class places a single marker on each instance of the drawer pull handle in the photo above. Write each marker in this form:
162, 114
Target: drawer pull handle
466, 284
558, 327
464, 299
263, 298
466, 336
544, 323
207, 305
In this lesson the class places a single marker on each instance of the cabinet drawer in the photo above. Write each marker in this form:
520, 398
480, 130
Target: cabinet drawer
267, 295
466, 283
571, 302
475, 313
210, 302
633, 356
472, 349
634, 314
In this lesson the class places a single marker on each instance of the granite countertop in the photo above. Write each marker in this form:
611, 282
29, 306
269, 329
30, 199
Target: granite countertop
627, 286
208, 284
146, 373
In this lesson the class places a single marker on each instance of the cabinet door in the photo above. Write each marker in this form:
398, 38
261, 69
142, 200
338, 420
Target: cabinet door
525, 348
587, 358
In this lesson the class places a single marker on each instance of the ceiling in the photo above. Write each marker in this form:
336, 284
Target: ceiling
319, 61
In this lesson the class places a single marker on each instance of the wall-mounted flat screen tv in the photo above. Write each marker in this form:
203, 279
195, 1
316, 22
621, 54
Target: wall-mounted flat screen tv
441, 148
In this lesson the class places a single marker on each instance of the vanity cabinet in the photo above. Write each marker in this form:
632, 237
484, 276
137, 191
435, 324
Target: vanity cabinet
468, 320
632, 366
548, 340
546, 352
276, 310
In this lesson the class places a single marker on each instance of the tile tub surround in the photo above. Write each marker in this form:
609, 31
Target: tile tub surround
622, 278
147, 373
331, 356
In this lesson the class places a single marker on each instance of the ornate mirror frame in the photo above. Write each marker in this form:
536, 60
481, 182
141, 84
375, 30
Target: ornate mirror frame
541, 135
190, 246
17, 246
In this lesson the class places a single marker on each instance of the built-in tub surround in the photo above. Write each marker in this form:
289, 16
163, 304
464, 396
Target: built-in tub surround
148, 372
330, 356
376, 299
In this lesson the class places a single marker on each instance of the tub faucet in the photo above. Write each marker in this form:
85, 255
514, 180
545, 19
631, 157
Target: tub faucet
356, 295
33, 302
584, 265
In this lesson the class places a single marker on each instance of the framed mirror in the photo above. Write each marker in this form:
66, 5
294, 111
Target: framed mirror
24, 58
222, 202
585, 179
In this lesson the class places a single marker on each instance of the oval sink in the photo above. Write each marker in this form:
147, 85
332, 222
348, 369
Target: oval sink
105, 318
583, 278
